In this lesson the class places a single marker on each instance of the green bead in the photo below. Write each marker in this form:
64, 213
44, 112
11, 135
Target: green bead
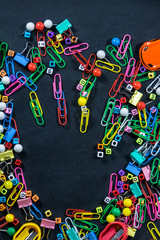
158, 106
116, 212
11, 231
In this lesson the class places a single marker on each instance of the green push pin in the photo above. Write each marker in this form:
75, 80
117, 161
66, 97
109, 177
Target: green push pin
10, 231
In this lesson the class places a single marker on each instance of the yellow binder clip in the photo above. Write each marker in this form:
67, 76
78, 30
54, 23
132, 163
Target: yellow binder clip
6, 154
84, 119
108, 66
111, 132
28, 231
154, 228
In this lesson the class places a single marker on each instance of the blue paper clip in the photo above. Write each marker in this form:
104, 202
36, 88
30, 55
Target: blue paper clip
151, 120
8, 117
62, 105
36, 212
9, 64
19, 74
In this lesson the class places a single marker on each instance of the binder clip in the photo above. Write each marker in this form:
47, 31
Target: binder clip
26, 202
45, 223
21, 59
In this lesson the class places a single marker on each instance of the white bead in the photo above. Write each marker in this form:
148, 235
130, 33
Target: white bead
1, 128
124, 112
101, 54
30, 26
2, 115
48, 23
2, 106
2, 148
158, 91
5, 80
18, 148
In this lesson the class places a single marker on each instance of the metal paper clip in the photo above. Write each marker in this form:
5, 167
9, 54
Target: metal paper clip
154, 228
20, 74
60, 62
111, 134
24, 203
20, 176
108, 111
14, 195
9, 62
155, 149
130, 69
114, 85
15, 86
3, 49
41, 43
79, 47
111, 184
57, 94
136, 221
88, 86
108, 66
21, 59
8, 117
84, 120
153, 85
111, 53
122, 50
36, 75
125, 123
70, 224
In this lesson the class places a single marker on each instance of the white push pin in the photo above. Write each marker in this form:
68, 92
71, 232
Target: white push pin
30, 26
2, 115
102, 55
1, 128
124, 112
18, 148
2, 106
5, 80
158, 91
2, 148
48, 23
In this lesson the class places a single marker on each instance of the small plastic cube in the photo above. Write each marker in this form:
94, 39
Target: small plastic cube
11, 53
139, 141
79, 87
108, 151
114, 143
35, 198
48, 213
100, 154
27, 34
99, 209
129, 87
152, 96
52, 63
82, 82
49, 71
100, 146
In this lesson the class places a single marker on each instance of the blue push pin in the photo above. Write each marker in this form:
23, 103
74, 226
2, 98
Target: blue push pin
115, 41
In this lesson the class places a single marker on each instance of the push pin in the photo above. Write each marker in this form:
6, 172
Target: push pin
102, 55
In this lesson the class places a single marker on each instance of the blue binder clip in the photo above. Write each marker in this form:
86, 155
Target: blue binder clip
91, 236
21, 59
64, 26
133, 169
9, 134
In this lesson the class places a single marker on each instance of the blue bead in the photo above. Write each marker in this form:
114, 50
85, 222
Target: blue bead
115, 41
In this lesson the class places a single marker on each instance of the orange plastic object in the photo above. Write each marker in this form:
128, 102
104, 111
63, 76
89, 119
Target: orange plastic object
149, 55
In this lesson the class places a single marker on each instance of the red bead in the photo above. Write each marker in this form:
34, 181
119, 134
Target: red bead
141, 105
137, 85
39, 26
32, 67
97, 72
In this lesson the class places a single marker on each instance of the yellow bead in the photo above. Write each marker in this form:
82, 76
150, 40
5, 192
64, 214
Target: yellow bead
9, 218
110, 218
8, 185
82, 101
126, 212
127, 202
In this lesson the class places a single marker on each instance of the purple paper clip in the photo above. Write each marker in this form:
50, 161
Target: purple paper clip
121, 52
77, 48
20, 177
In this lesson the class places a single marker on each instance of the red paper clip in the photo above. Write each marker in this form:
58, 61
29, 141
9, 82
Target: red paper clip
62, 112
93, 56
114, 85
15, 126
85, 63
137, 67
148, 198
3, 224
41, 43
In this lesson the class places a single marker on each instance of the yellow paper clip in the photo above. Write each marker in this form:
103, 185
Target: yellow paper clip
6, 154
154, 228
28, 231
58, 46
86, 216
110, 138
35, 98
14, 194
64, 228
140, 118
84, 120
3, 180
109, 66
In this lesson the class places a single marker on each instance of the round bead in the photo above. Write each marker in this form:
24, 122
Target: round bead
39, 26
141, 105
97, 72
48, 23
82, 101
9, 218
2, 106
2, 115
101, 54
158, 91
127, 202
1, 128
2, 148
137, 85
124, 112
116, 211
126, 212
18, 148
32, 67
11, 231
30, 26
110, 218
158, 106
5, 80
115, 41
8, 184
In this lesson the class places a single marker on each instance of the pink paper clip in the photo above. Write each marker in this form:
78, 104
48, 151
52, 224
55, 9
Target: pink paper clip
47, 223
24, 202
120, 49
130, 69
15, 86
41, 43
20, 177
147, 172
154, 211
57, 94
157, 209
76, 47
111, 185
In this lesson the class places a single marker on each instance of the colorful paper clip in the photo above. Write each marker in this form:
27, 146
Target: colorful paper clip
111, 134
41, 43
154, 177
15, 86
142, 123
14, 195
88, 86
79, 47
57, 94
8, 116
62, 110
108, 66
108, 111
36, 75
153, 229
36, 108
111, 185
20, 176
60, 62
111, 50
122, 76
34, 86
84, 119
130, 69
123, 49
9, 65
3, 49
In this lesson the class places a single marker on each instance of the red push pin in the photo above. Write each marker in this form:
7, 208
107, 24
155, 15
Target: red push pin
39, 26
137, 85
141, 105
32, 67
97, 72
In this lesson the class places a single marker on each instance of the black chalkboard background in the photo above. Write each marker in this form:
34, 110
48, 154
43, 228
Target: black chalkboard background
59, 162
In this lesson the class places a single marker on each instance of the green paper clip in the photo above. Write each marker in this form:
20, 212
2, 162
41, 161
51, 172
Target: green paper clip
36, 112
108, 210
36, 75
142, 210
59, 61
155, 171
88, 86
144, 75
88, 226
3, 48
108, 111
111, 53
36, 54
